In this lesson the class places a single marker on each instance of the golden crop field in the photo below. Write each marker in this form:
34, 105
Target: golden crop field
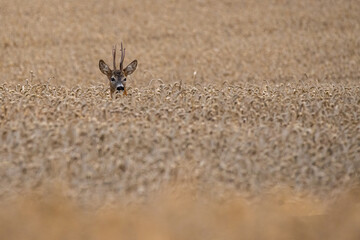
242, 120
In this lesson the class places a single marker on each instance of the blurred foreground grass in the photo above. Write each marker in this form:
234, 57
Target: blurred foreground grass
179, 214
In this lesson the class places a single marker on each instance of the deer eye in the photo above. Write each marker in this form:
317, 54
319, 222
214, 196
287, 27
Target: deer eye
124, 80
112, 79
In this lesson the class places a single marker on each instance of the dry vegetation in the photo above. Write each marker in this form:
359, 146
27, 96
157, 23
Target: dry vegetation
241, 121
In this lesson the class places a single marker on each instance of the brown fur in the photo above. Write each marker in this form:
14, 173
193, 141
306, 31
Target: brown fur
117, 77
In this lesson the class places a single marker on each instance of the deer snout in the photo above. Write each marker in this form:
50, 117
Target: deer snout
120, 88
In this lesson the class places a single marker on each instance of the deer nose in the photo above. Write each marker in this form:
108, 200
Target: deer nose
120, 88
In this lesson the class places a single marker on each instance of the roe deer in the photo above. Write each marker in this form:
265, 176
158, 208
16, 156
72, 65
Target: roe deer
116, 77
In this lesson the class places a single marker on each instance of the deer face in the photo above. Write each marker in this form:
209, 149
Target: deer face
118, 81
117, 78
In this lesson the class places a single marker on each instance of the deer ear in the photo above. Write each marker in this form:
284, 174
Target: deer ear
130, 68
104, 68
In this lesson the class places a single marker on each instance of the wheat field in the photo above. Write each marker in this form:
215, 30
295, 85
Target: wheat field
242, 120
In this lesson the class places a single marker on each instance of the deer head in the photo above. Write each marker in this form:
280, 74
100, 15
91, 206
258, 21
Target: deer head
117, 77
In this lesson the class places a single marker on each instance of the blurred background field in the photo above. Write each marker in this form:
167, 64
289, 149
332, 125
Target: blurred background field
241, 121
234, 41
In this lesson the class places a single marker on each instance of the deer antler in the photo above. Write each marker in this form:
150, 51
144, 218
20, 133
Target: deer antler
114, 56
122, 56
